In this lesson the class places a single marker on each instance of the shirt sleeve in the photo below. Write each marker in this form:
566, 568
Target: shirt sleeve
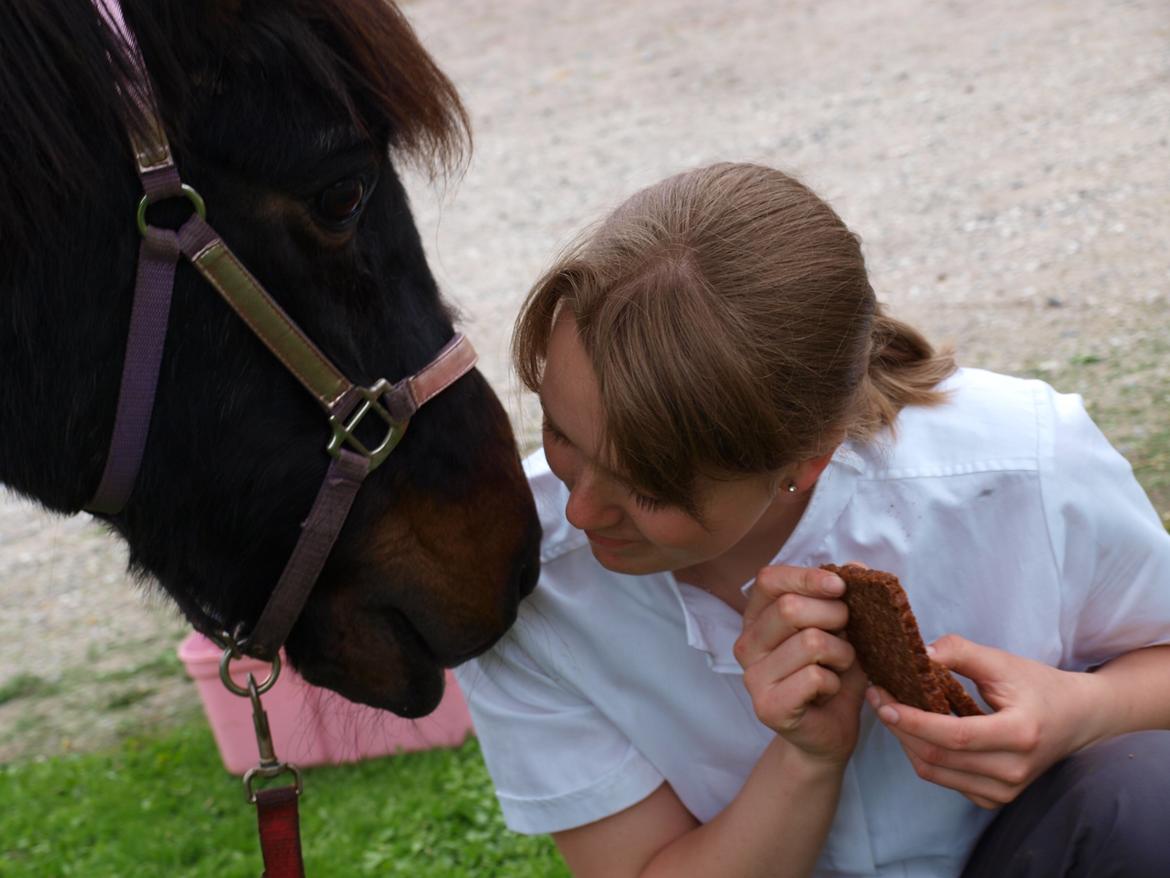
555, 760
1109, 543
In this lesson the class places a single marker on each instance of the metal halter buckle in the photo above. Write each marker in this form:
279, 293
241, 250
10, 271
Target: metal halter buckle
343, 430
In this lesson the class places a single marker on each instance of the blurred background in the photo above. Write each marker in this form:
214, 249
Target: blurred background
1006, 164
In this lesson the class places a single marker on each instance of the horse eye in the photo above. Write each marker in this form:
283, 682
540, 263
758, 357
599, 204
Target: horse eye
342, 201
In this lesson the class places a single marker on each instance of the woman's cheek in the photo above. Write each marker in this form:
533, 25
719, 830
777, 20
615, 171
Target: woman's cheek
671, 529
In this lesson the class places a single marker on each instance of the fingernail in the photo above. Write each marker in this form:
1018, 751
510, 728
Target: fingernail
930, 650
872, 697
888, 714
833, 584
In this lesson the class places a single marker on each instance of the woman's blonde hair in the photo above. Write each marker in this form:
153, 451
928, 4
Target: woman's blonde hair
732, 328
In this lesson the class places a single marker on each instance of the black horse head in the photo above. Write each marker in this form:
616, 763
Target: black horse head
288, 118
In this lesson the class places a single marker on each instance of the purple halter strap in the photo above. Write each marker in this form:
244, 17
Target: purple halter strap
345, 403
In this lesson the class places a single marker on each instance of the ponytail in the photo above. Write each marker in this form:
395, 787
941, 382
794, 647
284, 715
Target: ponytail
904, 369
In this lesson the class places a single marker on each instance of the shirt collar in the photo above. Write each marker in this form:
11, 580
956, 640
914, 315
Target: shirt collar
712, 627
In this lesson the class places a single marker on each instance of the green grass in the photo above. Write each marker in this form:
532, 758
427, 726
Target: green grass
165, 807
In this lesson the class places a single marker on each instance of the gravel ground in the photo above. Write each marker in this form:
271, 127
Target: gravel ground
1007, 165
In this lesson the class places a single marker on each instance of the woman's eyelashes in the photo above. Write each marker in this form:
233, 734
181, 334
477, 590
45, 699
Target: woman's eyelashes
643, 501
557, 435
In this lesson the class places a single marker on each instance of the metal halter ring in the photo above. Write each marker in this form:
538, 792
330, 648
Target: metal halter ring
194, 197
234, 687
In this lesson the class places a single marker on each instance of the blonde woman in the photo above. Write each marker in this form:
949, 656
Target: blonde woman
726, 408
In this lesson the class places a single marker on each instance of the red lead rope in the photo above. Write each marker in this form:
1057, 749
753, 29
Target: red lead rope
280, 832
276, 807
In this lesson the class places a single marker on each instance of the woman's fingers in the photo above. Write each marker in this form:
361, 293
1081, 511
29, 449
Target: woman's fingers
1002, 749
777, 580
855, 682
1004, 765
803, 679
786, 615
997, 731
811, 647
984, 791
782, 704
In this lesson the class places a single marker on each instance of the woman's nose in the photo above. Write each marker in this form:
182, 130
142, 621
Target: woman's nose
589, 506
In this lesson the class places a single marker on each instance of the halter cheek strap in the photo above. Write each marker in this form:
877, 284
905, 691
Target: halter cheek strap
158, 254
345, 404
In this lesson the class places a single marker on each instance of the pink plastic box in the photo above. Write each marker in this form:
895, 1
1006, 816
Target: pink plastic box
311, 726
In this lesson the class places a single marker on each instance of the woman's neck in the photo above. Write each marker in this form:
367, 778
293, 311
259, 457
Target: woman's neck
725, 575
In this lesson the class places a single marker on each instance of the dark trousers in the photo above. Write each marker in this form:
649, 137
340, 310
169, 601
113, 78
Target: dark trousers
1102, 813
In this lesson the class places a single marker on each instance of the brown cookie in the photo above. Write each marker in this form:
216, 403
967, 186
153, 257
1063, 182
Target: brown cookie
883, 631
961, 703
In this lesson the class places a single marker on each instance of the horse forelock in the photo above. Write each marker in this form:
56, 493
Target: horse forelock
383, 56
360, 54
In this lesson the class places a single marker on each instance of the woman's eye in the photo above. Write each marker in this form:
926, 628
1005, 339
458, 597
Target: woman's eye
646, 502
342, 201
555, 434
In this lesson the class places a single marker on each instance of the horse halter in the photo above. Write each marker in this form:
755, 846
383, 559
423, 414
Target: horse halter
345, 403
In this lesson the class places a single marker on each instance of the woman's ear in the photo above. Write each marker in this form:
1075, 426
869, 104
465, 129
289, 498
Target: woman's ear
808, 471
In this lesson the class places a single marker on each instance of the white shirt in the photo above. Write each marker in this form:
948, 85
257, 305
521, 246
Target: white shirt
1009, 520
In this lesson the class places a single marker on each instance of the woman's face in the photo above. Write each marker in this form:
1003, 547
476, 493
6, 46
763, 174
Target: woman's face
628, 531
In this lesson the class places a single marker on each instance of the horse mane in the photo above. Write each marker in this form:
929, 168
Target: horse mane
58, 72
63, 76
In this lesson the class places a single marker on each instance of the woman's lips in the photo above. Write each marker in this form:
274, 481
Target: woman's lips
607, 542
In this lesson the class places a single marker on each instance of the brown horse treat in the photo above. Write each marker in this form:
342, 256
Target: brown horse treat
883, 631
961, 703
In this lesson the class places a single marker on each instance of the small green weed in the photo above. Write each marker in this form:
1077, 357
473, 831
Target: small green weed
164, 667
26, 686
128, 697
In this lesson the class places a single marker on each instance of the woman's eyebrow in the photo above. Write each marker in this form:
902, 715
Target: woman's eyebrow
552, 425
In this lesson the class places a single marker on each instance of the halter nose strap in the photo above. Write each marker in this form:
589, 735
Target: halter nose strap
318, 534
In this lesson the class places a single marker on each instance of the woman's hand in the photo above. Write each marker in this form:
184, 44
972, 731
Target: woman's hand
802, 676
1042, 715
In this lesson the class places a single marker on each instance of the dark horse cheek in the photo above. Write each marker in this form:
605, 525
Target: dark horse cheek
431, 596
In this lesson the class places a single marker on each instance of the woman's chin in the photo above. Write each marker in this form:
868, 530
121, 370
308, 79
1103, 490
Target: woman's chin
630, 563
